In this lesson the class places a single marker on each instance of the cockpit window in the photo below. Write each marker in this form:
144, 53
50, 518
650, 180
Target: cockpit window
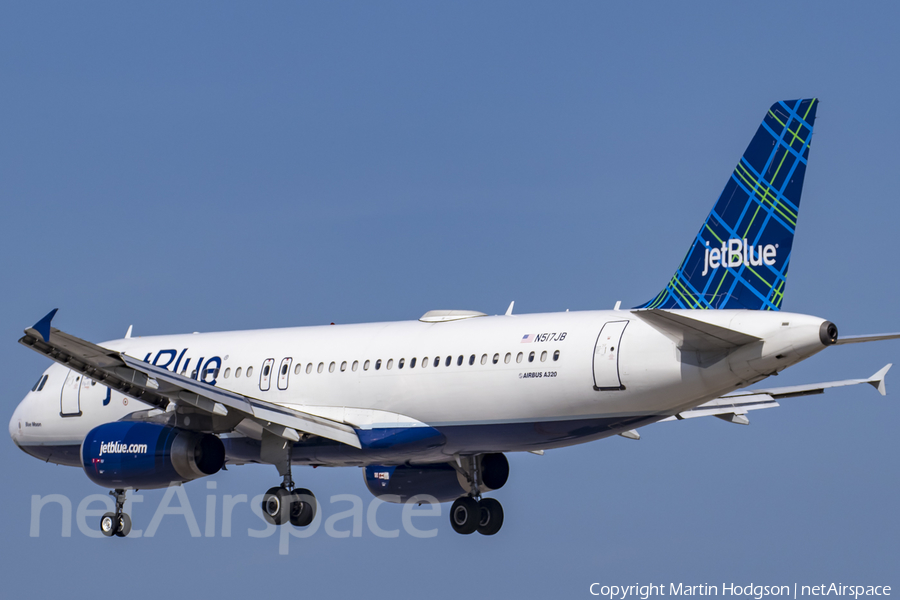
37, 383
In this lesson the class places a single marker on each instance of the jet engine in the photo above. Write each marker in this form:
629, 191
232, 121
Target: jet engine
147, 455
442, 481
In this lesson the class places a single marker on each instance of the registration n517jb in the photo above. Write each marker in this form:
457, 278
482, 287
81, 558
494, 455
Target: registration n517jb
429, 407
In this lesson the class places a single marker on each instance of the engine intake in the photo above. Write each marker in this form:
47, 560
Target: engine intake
147, 455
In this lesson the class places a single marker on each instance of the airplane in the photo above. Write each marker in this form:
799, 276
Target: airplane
428, 408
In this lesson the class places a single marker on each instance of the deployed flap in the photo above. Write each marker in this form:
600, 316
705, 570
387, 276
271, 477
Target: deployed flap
876, 381
692, 334
727, 406
738, 403
157, 386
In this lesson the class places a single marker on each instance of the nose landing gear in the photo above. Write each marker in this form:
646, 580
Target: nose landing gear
117, 523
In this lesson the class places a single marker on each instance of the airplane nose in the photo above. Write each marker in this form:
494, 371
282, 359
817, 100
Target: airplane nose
15, 424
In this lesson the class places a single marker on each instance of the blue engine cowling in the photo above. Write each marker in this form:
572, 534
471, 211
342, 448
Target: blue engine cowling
441, 480
146, 455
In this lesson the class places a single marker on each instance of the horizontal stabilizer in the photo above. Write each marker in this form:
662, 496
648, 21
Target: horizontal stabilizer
858, 339
692, 334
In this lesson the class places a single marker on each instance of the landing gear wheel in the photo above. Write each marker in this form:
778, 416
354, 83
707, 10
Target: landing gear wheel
303, 507
108, 524
123, 527
276, 505
491, 516
464, 515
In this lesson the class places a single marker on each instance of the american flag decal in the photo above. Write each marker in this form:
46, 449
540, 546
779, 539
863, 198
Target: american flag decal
528, 338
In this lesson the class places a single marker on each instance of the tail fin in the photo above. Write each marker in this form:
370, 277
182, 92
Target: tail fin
740, 257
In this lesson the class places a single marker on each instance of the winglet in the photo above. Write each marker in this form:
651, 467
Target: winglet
42, 327
877, 380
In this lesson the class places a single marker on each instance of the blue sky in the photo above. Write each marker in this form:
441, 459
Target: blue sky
219, 166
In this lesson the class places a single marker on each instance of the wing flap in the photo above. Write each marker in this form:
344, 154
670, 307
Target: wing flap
739, 403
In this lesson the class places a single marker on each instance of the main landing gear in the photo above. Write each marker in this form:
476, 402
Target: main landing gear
468, 515
286, 503
472, 513
117, 523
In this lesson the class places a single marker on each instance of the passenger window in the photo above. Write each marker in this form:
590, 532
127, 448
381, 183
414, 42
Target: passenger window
437, 361
448, 361
424, 362
400, 364
227, 372
237, 372
531, 356
343, 366
377, 364
320, 368
366, 366
249, 371
543, 356
390, 363
507, 357
412, 363
355, 365
297, 368
309, 368
484, 359
556, 355
471, 360
331, 367
496, 359
519, 357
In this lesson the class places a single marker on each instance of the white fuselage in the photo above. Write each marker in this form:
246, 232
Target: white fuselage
518, 382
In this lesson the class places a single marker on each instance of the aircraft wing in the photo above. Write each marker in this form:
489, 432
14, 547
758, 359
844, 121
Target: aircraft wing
734, 406
158, 387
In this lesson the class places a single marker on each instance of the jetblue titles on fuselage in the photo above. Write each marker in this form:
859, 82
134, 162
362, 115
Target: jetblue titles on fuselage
207, 372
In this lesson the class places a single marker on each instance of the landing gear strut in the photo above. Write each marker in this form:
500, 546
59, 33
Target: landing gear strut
117, 523
472, 513
285, 503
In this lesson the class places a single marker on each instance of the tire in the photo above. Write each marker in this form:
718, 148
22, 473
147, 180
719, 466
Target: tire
464, 515
303, 507
276, 505
108, 524
124, 525
490, 516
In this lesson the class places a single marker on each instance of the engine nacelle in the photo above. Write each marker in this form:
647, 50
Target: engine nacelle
147, 455
440, 481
